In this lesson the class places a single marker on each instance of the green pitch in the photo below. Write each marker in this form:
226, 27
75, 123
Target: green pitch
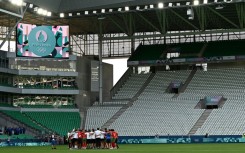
139, 148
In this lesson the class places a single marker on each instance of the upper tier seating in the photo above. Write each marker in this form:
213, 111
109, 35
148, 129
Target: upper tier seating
189, 50
132, 86
186, 49
148, 52
225, 48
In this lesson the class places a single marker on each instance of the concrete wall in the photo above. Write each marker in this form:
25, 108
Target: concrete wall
107, 81
86, 97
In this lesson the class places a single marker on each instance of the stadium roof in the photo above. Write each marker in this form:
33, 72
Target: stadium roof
58, 6
215, 15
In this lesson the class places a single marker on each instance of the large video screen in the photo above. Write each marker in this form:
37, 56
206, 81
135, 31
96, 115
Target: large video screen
42, 41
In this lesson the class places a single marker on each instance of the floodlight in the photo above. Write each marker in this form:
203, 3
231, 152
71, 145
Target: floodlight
69, 14
138, 8
78, 13
160, 5
39, 11
45, 12
151, 6
62, 15
86, 12
94, 12
170, 4
126, 8
178, 4
35, 9
119, 9
189, 12
49, 14
110, 10
30, 5
102, 10
188, 3
196, 2
205, 2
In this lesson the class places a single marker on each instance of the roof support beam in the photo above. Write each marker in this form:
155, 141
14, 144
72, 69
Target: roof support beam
185, 20
129, 23
13, 28
74, 39
118, 25
162, 19
202, 18
148, 22
174, 34
240, 7
12, 13
223, 17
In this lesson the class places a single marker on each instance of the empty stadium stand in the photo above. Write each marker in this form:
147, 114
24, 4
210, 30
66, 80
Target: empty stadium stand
98, 115
60, 122
157, 112
132, 86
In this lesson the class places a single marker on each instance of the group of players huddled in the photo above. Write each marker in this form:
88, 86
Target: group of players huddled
93, 139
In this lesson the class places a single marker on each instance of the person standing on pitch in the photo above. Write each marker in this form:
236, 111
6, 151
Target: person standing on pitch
97, 138
53, 141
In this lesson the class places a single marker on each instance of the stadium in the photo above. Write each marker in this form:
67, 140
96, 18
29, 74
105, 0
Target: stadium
180, 89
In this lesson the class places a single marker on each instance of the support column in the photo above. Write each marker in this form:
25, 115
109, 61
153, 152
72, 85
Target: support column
9, 39
132, 51
100, 64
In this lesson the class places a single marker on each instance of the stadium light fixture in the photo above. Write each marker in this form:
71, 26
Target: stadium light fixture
178, 4
86, 12
30, 5
151, 6
45, 12
78, 13
160, 5
170, 4
119, 9
146, 7
196, 2
35, 9
39, 11
62, 15
137, 8
205, 2
110, 10
94, 12
69, 14
49, 14
189, 12
126, 8
102, 10
188, 3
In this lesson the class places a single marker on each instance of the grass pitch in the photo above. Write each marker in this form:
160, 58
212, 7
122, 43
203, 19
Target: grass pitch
139, 148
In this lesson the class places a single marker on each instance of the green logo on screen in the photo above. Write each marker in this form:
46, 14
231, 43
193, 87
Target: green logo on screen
41, 41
